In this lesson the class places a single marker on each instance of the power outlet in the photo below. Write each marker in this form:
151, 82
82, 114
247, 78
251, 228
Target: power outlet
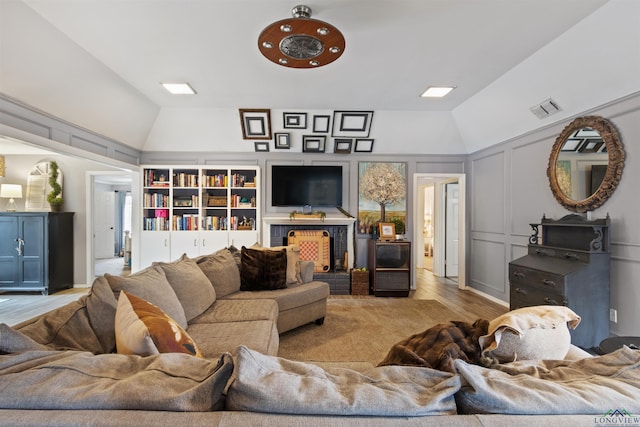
613, 315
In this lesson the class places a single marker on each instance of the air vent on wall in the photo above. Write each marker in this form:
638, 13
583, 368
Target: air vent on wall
546, 108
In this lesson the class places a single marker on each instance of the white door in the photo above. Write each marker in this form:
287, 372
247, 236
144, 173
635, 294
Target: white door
451, 234
155, 246
104, 224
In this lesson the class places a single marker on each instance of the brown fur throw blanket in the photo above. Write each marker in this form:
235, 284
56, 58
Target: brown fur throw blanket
439, 346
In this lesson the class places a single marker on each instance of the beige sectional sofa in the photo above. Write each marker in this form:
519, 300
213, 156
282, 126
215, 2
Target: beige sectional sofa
67, 367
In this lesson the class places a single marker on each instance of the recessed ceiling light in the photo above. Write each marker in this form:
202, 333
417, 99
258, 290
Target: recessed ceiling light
437, 91
179, 88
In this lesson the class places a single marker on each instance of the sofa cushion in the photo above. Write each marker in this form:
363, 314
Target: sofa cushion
191, 285
293, 259
65, 328
292, 296
150, 284
275, 385
101, 308
538, 332
222, 271
214, 339
593, 385
143, 329
263, 270
38, 380
227, 310
12, 341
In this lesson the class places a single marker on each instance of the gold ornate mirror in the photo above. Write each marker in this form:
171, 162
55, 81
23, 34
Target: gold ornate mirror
586, 163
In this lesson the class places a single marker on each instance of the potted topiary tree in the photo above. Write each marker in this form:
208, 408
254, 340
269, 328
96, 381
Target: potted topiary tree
54, 198
399, 226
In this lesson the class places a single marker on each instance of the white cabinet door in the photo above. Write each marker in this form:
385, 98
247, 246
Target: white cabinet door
185, 242
212, 241
243, 238
154, 246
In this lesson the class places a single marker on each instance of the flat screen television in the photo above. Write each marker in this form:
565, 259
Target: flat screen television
293, 185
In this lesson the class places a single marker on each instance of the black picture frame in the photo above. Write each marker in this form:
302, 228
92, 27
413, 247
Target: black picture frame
321, 124
294, 120
261, 146
342, 145
255, 123
363, 145
314, 143
282, 140
352, 124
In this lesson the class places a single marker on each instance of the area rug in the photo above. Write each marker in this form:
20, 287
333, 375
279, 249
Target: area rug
362, 329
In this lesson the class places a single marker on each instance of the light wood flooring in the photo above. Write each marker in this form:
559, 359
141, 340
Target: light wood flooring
23, 306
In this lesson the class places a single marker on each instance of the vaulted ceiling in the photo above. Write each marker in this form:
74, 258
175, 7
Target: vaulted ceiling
394, 50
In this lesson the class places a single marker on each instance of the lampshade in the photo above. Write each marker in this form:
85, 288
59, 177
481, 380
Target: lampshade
11, 191
1, 166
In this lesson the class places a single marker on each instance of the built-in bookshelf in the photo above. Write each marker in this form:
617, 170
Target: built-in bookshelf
214, 205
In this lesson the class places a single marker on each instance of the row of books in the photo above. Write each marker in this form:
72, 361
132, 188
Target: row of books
155, 200
185, 180
242, 202
156, 224
185, 222
155, 178
214, 223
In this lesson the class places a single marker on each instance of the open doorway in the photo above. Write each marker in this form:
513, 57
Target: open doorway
109, 223
439, 232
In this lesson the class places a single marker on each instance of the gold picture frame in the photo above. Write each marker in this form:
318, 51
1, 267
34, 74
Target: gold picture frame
387, 230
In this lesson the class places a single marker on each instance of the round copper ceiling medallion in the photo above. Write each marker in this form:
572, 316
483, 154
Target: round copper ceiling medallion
301, 43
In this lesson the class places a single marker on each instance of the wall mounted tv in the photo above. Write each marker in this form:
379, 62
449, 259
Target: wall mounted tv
316, 186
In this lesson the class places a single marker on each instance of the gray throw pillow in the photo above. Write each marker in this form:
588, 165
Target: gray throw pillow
150, 284
191, 285
222, 271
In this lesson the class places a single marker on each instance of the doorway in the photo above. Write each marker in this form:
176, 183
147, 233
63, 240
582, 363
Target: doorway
439, 232
109, 216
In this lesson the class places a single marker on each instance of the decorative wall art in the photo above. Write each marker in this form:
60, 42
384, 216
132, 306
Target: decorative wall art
256, 123
282, 141
321, 124
261, 146
352, 124
382, 194
363, 145
313, 143
294, 120
342, 145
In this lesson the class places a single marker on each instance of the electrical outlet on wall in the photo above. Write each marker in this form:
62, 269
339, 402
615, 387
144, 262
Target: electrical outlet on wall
613, 315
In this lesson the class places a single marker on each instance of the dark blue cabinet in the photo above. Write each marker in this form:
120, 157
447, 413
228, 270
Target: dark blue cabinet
36, 251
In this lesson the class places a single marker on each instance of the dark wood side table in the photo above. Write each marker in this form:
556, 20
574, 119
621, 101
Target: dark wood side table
609, 345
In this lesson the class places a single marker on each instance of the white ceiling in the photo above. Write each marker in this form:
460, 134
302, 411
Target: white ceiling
394, 50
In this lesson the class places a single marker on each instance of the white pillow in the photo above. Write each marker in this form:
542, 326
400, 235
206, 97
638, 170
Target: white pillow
538, 332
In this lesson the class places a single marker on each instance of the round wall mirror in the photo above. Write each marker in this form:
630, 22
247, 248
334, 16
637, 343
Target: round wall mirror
586, 163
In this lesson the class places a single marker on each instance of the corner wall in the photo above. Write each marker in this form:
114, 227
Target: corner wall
509, 189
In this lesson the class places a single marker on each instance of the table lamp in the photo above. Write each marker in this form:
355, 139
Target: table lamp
11, 191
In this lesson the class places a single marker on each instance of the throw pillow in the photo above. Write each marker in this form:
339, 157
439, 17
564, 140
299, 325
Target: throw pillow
275, 385
191, 285
538, 332
222, 271
151, 284
144, 329
293, 257
263, 270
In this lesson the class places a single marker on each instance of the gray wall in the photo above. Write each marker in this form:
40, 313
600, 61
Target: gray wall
509, 189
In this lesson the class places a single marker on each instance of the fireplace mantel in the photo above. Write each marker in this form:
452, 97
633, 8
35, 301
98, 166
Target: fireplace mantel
316, 223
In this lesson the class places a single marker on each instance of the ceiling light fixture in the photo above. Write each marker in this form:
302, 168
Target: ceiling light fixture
301, 42
179, 88
437, 91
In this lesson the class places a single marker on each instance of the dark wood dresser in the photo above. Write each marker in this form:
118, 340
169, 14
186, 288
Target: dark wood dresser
567, 264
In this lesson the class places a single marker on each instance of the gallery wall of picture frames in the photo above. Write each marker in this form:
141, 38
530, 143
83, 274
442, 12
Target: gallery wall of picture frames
342, 132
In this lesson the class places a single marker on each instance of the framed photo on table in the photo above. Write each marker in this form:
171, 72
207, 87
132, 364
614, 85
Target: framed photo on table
387, 231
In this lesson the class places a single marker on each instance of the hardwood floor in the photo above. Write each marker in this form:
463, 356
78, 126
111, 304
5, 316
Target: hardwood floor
465, 304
